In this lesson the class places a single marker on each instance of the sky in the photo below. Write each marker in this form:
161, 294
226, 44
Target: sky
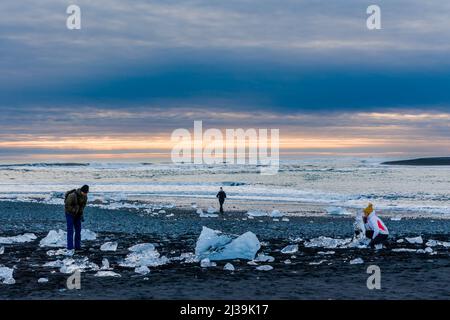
137, 70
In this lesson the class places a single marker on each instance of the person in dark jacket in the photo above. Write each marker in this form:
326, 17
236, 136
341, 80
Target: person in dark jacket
75, 203
221, 196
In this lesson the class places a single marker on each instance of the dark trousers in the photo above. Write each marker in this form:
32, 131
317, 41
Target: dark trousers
380, 238
73, 225
221, 205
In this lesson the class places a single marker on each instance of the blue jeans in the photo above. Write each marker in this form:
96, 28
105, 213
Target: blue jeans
73, 224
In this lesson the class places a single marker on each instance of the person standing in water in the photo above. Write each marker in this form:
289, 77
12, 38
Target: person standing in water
75, 202
221, 195
376, 230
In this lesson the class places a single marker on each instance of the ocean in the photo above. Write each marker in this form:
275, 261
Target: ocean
336, 182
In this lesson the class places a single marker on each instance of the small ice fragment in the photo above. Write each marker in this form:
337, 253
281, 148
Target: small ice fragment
105, 264
2, 250
357, 261
228, 267
6, 275
415, 240
400, 241
252, 263
326, 252
276, 214
257, 213
264, 258
194, 206
403, 250
42, 280
211, 210
107, 274
264, 268
109, 246
287, 261
293, 248
59, 238
317, 262
285, 219
337, 211
276, 220
206, 263
23, 238
162, 211
378, 246
326, 242
143, 270
170, 215
396, 218
199, 211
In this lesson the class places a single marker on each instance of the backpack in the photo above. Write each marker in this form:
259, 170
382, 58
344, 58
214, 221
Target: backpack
68, 193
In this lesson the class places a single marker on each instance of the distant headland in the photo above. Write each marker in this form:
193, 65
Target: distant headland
438, 161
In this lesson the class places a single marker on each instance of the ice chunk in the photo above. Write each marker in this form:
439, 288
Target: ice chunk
326, 242
426, 250
357, 261
257, 213
337, 211
88, 235
42, 280
187, 257
143, 270
400, 241
276, 214
107, 274
293, 248
287, 261
143, 254
276, 219
207, 215
326, 252
396, 218
58, 238
264, 268
316, 263
206, 263
285, 219
60, 252
26, 237
71, 265
403, 250
211, 210
109, 246
162, 211
228, 267
6, 275
170, 215
264, 258
214, 245
2, 250
105, 264
434, 243
415, 240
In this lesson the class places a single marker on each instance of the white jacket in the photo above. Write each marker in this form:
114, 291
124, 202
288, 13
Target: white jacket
376, 225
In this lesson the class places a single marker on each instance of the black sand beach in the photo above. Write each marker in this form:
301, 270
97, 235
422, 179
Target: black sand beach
404, 275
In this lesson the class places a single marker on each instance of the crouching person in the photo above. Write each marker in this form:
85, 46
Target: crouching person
75, 202
376, 230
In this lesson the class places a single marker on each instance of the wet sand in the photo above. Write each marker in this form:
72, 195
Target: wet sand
405, 275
